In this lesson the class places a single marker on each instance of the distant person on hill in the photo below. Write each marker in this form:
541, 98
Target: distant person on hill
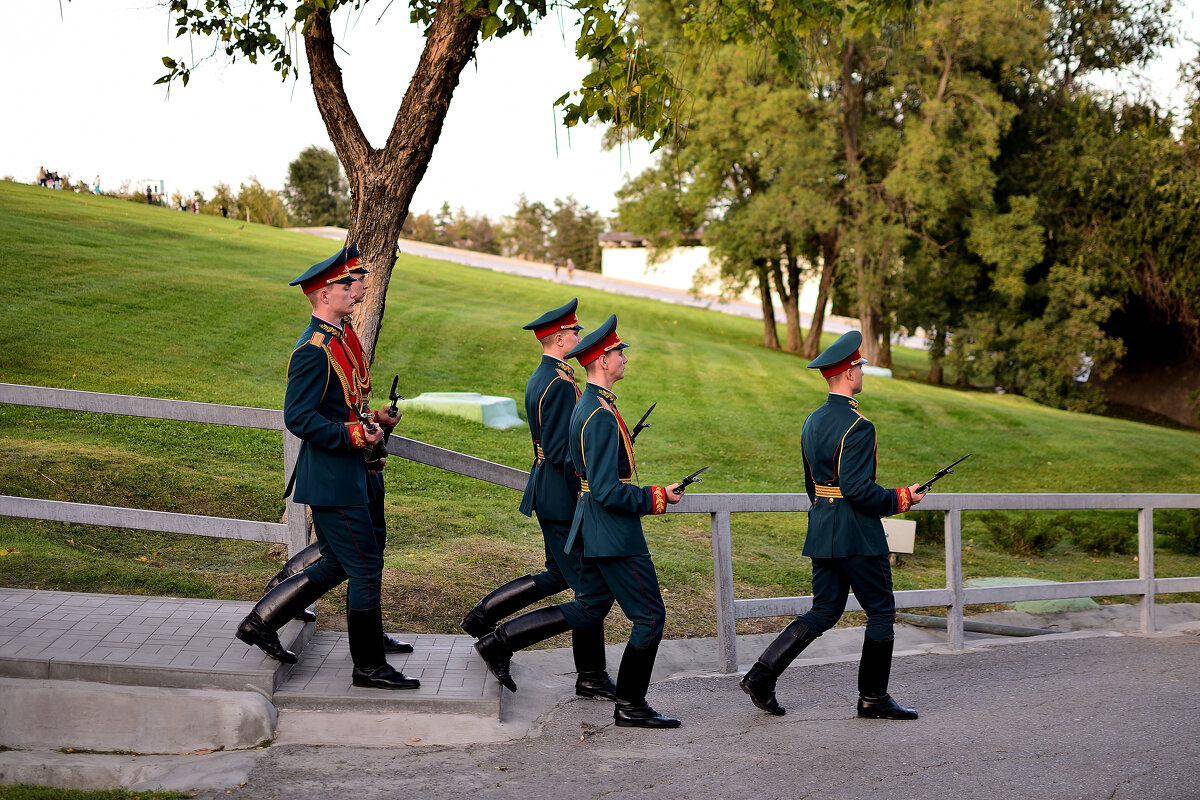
42, 176
570, 269
551, 491
96, 185
556, 269
845, 539
224, 210
325, 405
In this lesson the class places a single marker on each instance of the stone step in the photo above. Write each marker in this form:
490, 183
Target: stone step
454, 679
165, 654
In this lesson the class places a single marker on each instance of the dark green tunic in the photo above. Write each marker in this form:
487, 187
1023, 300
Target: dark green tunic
317, 410
608, 517
839, 457
553, 487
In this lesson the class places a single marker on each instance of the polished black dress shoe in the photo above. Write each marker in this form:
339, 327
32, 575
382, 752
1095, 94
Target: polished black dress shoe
383, 677
883, 708
627, 715
596, 685
306, 616
760, 685
391, 645
252, 631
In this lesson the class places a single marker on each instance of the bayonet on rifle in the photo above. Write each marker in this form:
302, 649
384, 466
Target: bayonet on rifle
394, 395
689, 480
924, 487
641, 424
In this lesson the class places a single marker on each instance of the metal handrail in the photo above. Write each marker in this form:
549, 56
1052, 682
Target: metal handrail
719, 506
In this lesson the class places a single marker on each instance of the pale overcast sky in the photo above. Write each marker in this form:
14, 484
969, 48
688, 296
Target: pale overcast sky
78, 97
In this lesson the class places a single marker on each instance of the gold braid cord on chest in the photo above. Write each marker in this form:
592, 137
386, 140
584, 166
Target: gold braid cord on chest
353, 385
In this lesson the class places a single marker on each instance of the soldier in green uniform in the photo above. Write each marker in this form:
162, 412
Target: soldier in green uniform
845, 539
552, 491
607, 532
310, 554
324, 406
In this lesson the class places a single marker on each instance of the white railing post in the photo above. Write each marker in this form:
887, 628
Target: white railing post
954, 578
297, 514
1146, 566
722, 550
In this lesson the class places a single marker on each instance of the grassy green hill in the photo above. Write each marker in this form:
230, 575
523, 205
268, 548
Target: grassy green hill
112, 296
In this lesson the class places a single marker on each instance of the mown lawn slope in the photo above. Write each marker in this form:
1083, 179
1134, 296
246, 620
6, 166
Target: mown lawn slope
112, 296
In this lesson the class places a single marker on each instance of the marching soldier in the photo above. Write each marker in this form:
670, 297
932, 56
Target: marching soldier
552, 491
607, 532
327, 390
310, 554
845, 539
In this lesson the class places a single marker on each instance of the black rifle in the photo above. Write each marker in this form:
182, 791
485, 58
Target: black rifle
395, 396
689, 480
941, 474
642, 424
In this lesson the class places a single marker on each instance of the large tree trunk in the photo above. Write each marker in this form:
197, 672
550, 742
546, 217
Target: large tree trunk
789, 292
829, 257
885, 338
868, 314
382, 182
937, 352
770, 337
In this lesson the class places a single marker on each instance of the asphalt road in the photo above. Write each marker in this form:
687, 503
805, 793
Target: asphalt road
1114, 716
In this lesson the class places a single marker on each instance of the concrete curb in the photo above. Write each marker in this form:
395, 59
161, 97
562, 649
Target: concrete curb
139, 719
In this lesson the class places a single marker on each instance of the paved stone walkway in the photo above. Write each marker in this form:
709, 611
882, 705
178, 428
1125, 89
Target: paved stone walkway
187, 643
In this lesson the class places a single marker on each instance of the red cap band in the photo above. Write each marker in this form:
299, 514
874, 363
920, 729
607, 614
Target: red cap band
599, 348
843, 365
331, 275
560, 324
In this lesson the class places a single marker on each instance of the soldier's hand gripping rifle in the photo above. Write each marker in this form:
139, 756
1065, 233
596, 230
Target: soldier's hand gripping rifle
641, 424
924, 487
374, 455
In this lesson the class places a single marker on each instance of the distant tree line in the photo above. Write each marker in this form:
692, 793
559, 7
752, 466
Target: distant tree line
952, 171
533, 232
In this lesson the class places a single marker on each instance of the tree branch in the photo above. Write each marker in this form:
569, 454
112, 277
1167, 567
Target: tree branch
347, 135
450, 43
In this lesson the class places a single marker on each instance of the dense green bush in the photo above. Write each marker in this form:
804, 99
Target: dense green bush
1026, 535
1100, 536
931, 526
1181, 527
1033, 534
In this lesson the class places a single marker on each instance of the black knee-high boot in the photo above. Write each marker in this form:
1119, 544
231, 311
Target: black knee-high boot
592, 680
759, 681
305, 557
874, 669
497, 647
273, 611
633, 679
499, 603
371, 669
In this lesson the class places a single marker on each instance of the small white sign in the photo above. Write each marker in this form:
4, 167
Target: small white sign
901, 534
